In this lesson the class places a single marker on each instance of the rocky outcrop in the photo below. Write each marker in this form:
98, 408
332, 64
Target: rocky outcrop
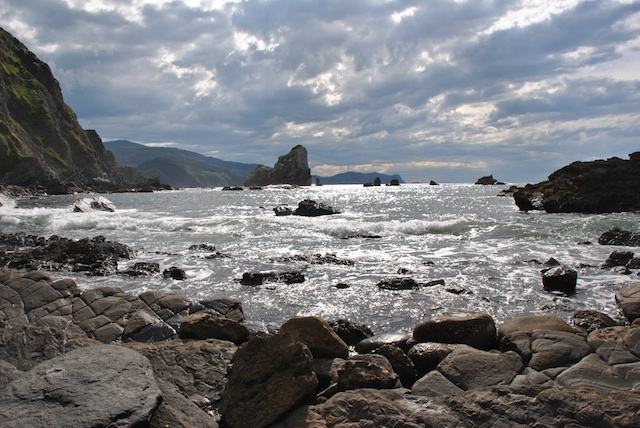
42, 145
292, 168
487, 180
617, 236
97, 203
83, 388
601, 186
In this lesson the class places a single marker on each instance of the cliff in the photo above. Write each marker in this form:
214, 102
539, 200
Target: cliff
41, 142
292, 168
601, 186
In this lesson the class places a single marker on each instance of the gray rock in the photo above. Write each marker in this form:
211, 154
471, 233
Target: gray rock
198, 368
556, 349
472, 368
374, 342
433, 384
177, 411
608, 343
8, 372
270, 375
631, 341
628, 300
102, 385
292, 168
592, 372
318, 335
530, 377
590, 320
477, 330
533, 322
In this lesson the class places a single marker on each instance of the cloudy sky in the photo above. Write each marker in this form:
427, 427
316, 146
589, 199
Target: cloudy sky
448, 90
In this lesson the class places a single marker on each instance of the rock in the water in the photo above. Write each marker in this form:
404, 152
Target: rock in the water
282, 211
175, 273
292, 168
97, 203
590, 320
628, 299
96, 386
487, 180
477, 330
259, 278
617, 258
471, 368
207, 326
270, 376
617, 236
318, 335
309, 208
406, 283
601, 186
560, 278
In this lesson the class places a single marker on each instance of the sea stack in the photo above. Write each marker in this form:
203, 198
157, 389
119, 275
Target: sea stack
292, 168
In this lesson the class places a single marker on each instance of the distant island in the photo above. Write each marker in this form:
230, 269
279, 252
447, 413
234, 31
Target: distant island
358, 178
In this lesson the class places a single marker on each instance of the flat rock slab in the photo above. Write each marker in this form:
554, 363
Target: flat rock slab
533, 322
556, 349
592, 372
478, 330
104, 385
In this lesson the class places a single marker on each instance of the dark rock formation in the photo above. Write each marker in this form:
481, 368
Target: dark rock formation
433, 183
351, 333
616, 236
207, 326
477, 330
292, 168
628, 299
406, 283
487, 180
42, 145
601, 186
259, 278
309, 208
98, 203
560, 278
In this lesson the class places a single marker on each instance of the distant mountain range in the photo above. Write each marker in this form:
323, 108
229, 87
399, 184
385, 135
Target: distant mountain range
183, 168
180, 168
358, 178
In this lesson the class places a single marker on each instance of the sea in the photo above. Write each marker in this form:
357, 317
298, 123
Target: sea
487, 253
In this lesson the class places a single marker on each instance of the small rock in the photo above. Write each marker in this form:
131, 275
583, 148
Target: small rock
561, 279
477, 330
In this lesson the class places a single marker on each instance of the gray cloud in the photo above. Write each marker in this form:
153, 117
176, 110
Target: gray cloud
443, 90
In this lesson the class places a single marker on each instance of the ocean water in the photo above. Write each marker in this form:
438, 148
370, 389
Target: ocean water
478, 243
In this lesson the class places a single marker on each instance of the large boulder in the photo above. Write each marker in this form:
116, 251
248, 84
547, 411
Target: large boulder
426, 356
104, 385
560, 278
270, 375
556, 349
97, 203
207, 326
318, 335
477, 330
528, 323
601, 186
292, 168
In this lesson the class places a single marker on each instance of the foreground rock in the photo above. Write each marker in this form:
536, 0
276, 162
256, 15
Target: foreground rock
271, 375
629, 301
601, 186
292, 168
83, 388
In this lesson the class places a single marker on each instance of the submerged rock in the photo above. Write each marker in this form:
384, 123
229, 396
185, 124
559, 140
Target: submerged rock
97, 203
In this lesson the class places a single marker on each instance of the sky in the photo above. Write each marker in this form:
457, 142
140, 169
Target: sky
444, 90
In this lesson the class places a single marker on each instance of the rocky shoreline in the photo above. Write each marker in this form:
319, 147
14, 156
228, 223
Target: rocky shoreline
103, 357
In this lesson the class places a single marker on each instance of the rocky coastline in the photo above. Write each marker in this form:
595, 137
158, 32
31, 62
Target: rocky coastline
104, 357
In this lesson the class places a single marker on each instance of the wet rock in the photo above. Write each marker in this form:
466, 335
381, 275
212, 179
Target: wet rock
78, 389
142, 269
487, 180
477, 330
372, 343
207, 326
433, 384
406, 283
472, 368
318, 335
270, 375
628, 299
560, 278
282, 211
631, 341
426, 356
316, 259
227, 307
617, 236
175, 273
97, 203
617, 258
556, 349
309, 208
259, 278
350, 332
